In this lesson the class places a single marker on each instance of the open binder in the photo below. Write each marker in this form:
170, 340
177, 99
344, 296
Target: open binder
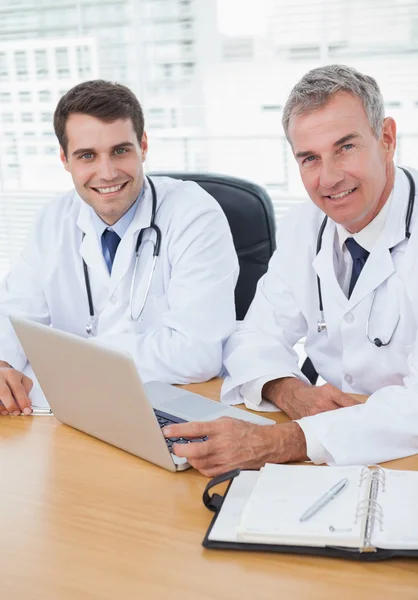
374, 519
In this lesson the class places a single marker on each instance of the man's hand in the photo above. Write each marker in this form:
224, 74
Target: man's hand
297, 399
14, 391
233, 443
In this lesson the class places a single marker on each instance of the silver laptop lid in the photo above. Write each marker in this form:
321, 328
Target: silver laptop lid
95, 389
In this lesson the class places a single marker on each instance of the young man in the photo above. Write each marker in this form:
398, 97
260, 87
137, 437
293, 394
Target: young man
144, 265
360, 322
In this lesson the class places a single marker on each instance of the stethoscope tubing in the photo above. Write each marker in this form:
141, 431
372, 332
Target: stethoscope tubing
321, 325
91, 326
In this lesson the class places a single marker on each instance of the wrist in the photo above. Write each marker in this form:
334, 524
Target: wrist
5, 364
287, 443
280, 391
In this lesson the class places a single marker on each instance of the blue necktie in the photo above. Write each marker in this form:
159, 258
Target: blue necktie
359, 256
110, 240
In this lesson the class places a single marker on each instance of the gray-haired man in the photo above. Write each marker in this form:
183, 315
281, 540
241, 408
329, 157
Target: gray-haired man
344, 278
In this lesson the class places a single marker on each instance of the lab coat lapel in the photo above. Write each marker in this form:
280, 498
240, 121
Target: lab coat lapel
321, 264
125, 254
378, 268
380, 265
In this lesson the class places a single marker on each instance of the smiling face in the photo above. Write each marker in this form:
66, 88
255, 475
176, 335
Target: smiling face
347, 172
106, 163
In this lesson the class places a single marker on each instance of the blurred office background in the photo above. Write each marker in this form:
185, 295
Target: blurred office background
212, 76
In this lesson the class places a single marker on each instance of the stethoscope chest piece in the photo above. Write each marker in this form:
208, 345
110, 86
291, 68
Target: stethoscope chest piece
91, 327
321, 324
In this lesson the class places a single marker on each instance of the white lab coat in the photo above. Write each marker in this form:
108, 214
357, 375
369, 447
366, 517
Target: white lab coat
285, 309
190, 308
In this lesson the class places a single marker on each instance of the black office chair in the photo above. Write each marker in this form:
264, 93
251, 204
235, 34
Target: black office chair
250, 214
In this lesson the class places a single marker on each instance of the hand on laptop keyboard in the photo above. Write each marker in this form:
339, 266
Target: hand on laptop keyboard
164, 420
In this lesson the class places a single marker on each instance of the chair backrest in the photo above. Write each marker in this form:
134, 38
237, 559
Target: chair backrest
249, 211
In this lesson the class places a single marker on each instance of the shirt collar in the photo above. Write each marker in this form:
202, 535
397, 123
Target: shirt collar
368, 236
121, 226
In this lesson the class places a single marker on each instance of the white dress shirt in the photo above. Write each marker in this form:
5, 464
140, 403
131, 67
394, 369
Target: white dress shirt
366, 238
120, 227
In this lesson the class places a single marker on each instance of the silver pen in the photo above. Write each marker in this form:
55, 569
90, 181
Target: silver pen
40, 410
323, 500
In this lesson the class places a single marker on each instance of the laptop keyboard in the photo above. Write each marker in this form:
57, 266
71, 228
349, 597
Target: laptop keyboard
165, 419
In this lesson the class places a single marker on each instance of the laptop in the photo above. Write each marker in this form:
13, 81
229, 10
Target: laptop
98, 390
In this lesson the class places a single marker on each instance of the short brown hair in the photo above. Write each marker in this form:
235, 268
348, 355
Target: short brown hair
104, 100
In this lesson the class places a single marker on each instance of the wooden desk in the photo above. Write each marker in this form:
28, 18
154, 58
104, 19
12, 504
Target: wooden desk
80, 519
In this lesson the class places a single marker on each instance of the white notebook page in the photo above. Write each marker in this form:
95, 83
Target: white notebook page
284, 492
399, 502
226, 524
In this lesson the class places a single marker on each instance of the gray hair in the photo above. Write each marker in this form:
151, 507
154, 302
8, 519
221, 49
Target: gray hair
318, 85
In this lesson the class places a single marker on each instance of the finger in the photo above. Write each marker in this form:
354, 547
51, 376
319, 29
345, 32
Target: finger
196, 429
27, 384
207, 468
3, 410
201, 450
332, 406
213, 465
7, 398
20, 395
344, 400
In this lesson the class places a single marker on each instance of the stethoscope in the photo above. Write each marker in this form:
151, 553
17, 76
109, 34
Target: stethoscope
321, 324
91, 327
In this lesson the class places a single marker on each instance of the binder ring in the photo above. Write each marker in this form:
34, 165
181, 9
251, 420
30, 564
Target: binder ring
376, 474
373, 516
375, 511
369, 508
379, 475
364, 473
377, 517
369, 503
